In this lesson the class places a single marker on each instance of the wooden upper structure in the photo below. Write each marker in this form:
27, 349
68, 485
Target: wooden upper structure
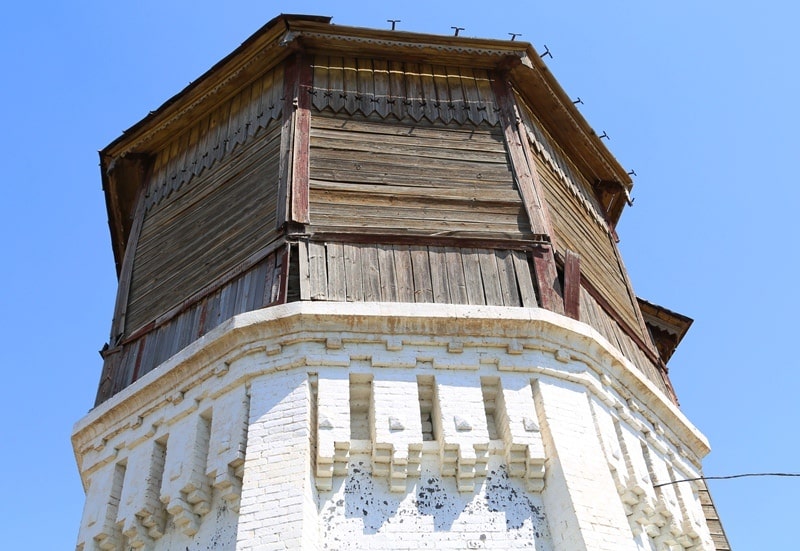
321, 162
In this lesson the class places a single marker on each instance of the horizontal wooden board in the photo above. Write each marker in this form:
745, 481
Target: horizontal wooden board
205, 229
382, 177
577, 230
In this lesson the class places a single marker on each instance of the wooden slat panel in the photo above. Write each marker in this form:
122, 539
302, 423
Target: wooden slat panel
405, 277
490, 277
423, 288
438, 259
507, 278
522, 270
472, 277
370, 273
271, 264
336, 272
318, 272
547, 282
388, 276
352, 272
455, 276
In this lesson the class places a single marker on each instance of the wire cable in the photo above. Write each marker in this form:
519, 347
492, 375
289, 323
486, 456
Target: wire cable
728, 477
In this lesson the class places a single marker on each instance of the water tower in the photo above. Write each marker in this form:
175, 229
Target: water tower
370, 298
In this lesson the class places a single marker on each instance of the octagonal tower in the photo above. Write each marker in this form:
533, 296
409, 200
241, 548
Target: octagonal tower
370, 297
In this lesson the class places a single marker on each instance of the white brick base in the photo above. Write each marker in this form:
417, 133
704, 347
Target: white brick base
364, 426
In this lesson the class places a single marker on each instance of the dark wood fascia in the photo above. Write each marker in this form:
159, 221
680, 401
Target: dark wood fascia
422, 240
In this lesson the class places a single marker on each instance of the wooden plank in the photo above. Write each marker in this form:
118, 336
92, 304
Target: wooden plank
336, 272
243, 291
147, 354
388, 275
490, 277
522, 170
455, 276
304, 271
423, 289
403, 270
410, 239
259, 284
484, 136
317, 271
428, 90
547, 279
380, 76
212, 312
350, 73
228, 300
365, 85
524, 282
397, 89
301, 145
456, 103
370, 273
507, 278
287, 143
442, 94
472, 276
441, 290
321, 82
352, 272
118, 326
414, 92
472, 97
572, 284
257, 104
280, 283
269, 264
336, 84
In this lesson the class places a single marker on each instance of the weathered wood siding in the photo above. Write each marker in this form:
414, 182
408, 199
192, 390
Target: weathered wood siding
403, 90
214, 136
593, 314
259, 286
415, 273
387, 177
578, 225
205, 228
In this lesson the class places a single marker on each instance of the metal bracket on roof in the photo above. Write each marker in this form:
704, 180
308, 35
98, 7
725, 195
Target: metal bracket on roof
288, 38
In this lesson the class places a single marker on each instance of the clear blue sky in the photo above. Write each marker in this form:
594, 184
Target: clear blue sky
699, 98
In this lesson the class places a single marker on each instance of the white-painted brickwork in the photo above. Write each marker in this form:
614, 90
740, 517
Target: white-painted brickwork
477, 428
362, 511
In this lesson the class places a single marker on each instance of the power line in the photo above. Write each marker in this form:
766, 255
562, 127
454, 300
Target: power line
728, 477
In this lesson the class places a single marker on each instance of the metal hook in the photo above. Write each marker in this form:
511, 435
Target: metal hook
457, 29
604, 136
632, 173
514, 35
546, 52
577, 101
393, 22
